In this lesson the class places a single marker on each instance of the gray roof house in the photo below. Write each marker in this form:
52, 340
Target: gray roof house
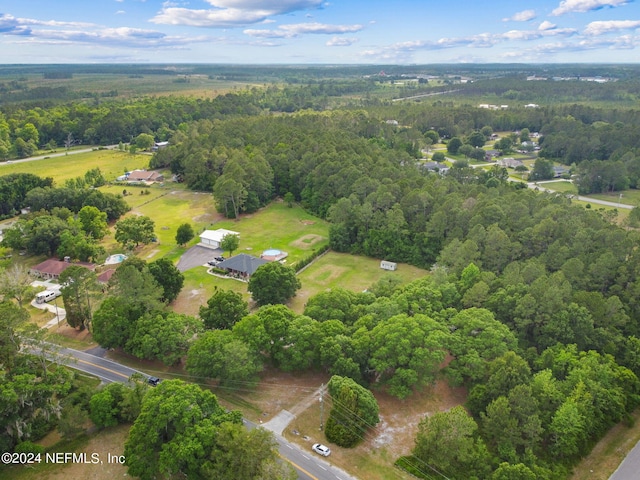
242, 265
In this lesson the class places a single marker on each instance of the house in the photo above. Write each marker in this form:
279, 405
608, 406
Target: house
213, 238
147, 176
560, 171
435, 167
52, 268
489, 155
105, 276
510, 162
242, 265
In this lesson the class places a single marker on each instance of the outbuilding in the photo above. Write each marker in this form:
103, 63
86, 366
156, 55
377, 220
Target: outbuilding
391, 266
213, 238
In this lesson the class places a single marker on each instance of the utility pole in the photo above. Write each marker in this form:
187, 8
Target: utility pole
321, 407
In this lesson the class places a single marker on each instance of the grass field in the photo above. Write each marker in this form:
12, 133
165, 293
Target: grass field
127, 86
112, 164
351, 272
562, 186
277, 226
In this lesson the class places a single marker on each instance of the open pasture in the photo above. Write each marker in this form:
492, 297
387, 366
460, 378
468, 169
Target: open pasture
111, 163
277, 226
342, 270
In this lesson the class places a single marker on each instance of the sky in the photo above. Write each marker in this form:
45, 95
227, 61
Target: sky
319, 32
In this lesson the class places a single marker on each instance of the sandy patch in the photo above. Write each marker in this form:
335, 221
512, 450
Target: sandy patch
152, 253
307, 241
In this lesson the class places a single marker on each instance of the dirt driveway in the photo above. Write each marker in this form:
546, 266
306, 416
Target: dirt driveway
196, 257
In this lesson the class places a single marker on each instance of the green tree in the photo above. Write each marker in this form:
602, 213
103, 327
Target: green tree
476, 139
15, 284
144, 141
230, 243
12, 318
184, 234
438, 157
168, 277
542, 170
175, 432
273, 283
134, 230
72, 421
447, 441
79, 286
93, 221
223, 310
217, 354
289, 199
354, 410
165, 337
454, 145
105, 405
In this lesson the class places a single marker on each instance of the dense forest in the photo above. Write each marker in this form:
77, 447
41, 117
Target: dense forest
532, 302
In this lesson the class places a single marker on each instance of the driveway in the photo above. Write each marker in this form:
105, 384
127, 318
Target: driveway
196, 257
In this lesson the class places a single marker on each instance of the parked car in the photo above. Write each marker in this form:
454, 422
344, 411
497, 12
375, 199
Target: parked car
321, 449
153, 381
213, 263
220, 258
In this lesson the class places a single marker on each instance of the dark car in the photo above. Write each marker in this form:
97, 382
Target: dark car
220, 258
153, 381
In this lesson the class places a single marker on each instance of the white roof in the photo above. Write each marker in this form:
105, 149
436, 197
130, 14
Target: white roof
216, 235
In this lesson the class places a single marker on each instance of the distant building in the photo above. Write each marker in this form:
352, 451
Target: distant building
509, 162
159, 145
146, 176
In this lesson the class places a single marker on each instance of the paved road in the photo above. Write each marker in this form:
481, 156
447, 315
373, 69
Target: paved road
59, 154
308, 465
629, 469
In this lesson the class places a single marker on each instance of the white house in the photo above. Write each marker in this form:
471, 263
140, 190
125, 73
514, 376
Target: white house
213, 238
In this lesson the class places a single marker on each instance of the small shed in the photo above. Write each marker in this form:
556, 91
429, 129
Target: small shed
213, 238
391, 266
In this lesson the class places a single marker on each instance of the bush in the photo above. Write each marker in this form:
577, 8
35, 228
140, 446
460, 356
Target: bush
28, 447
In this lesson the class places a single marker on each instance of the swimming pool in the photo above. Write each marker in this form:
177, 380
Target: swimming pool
116, 258
272, 252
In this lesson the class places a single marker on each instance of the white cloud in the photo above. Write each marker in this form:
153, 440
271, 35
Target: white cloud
231, 13
607, 26
120, 12
341, 42
523, 16
294, 30
581, 6
546, 25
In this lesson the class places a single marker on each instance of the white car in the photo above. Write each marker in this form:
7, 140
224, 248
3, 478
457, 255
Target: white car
321, 449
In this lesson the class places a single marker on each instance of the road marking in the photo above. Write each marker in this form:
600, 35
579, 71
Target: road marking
295, 465
104, 368
322, 467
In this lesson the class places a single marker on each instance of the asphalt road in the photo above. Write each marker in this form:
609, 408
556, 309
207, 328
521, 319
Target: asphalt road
308, 465
629, 469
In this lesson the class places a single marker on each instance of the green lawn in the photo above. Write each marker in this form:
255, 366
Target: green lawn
111, 163
351, 272
629, 197
168, 208
291, 230
561, 186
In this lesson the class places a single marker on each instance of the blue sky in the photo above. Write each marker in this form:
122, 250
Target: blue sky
319, 31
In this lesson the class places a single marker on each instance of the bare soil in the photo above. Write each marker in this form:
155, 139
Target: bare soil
308, 240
